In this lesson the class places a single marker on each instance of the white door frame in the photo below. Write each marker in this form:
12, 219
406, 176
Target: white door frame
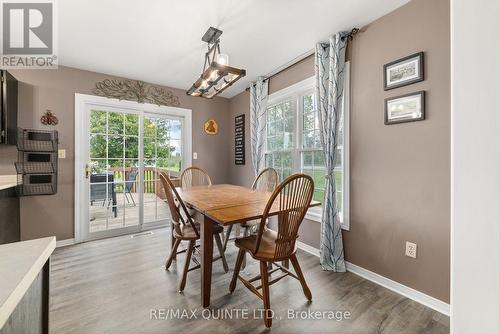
82, 101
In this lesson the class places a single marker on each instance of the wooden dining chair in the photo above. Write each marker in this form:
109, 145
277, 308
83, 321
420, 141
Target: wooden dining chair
291, 199
267, 180
184, 228
195, 176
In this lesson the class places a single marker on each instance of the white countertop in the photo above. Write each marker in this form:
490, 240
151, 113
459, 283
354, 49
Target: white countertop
8, 181
20, 263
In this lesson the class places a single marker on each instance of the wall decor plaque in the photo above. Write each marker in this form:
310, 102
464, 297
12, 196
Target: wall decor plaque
239, 140
135, 90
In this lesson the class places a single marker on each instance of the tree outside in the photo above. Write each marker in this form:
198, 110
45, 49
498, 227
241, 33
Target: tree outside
114, 143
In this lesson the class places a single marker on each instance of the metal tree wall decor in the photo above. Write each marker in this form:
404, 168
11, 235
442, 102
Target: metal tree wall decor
48, 118
135, 90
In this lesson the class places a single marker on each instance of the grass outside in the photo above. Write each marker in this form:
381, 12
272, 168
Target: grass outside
319, 184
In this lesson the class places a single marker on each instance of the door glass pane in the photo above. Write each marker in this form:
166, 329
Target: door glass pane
131, 147
108, 147
98, 146
117, 197
98, 166
98, 121
173, 158
116, 123
149, 127
149, 150
115, 147
131, 125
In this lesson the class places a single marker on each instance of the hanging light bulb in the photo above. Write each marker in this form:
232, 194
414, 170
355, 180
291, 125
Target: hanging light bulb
222, 59
203, 84
213, 76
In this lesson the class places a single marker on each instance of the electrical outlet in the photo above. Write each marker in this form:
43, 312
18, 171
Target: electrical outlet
61, 154
411, 249
195, 155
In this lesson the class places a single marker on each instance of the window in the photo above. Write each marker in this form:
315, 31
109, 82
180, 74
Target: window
293, 143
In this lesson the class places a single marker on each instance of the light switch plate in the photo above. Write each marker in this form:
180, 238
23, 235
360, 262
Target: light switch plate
411, 249
195, 155
61, 154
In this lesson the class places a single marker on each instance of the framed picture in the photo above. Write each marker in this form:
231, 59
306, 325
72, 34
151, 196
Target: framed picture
404, 71
405, 108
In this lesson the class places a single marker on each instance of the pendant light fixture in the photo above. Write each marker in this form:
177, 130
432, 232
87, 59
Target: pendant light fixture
217, 75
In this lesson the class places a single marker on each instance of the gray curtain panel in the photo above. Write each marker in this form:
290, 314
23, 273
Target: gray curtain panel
258, 108
329, 67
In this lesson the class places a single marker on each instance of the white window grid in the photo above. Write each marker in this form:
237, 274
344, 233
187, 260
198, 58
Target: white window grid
295, 95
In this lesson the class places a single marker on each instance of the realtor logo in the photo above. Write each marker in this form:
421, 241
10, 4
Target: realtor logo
28, 35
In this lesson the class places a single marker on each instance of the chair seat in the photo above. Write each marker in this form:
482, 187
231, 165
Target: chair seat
187, 232
267, 247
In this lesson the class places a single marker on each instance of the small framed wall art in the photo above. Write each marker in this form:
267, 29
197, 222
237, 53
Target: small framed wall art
404, 71
405, 108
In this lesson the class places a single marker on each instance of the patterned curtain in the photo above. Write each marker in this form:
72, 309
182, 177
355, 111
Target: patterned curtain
258, 106
329, 66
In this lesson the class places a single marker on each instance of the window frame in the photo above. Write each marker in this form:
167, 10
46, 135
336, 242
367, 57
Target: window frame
296, 93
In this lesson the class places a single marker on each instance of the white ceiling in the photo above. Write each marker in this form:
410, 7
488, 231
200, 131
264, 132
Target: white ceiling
159, 41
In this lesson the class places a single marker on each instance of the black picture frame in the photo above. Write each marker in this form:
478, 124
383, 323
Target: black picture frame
387, 101
401, 61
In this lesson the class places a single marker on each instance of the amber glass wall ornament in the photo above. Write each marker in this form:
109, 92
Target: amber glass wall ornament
211, 127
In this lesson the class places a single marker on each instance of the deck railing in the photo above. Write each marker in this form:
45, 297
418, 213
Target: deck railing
152, 183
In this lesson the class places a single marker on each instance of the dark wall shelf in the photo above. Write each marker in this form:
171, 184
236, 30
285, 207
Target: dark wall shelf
35, 167
37, 162
37, 140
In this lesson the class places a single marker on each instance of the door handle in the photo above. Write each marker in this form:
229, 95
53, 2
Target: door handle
87, 171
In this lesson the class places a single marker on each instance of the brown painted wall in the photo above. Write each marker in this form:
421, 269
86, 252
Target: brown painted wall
400, 174
55, 89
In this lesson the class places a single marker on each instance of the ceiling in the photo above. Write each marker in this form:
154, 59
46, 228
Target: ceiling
159, 41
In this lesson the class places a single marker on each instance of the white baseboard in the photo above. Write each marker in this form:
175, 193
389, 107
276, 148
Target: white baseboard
408, 292
66, 242
307, 248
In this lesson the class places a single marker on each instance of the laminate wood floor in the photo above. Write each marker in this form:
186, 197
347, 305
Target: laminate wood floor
119, 285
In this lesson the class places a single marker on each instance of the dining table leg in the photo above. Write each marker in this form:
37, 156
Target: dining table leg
207, 248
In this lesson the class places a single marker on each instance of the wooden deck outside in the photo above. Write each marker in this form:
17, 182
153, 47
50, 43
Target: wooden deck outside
102, 217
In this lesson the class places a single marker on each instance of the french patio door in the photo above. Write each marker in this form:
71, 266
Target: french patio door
121, 148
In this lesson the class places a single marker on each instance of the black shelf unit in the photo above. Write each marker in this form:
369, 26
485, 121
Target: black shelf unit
37, 162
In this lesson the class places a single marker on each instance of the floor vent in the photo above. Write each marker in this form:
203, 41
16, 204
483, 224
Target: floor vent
142, 234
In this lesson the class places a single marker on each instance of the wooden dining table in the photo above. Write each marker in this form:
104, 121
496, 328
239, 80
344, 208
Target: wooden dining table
224, 204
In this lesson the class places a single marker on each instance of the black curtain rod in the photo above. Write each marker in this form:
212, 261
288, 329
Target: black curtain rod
351, 34
349, 37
